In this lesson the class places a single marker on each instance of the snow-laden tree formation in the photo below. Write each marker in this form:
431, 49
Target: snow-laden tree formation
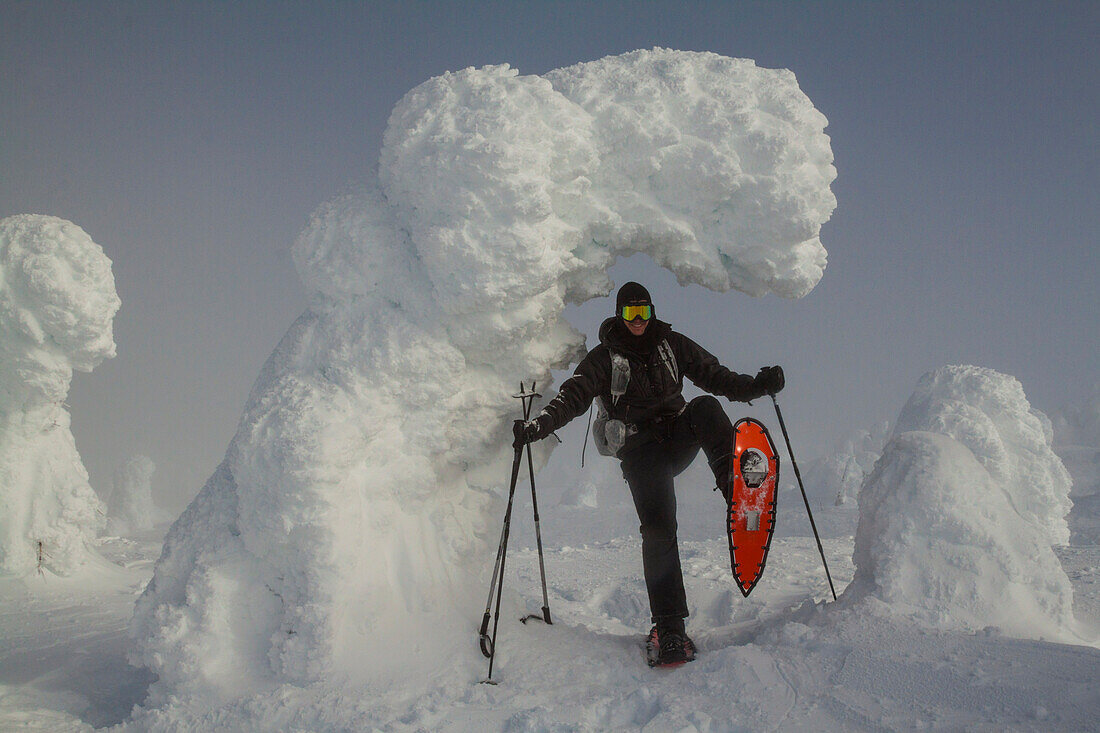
351, 517
832, 483
958, 519
836, 477
1077, 440
130, 505
57, 304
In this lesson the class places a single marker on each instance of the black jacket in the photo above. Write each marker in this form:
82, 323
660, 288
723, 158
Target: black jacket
653, 392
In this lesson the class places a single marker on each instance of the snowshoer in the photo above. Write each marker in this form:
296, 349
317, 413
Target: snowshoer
636, 374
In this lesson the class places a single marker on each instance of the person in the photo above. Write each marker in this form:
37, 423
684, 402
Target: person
637, 374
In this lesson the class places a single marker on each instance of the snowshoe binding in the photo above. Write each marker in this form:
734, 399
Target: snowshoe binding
668, 649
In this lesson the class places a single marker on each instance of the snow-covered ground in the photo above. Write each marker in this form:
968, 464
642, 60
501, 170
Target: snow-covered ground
63, 644
781, 659
786, 658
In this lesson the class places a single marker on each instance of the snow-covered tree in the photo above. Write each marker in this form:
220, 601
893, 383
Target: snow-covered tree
57, 303
130, 505
353, 511
958, 519
1077, 441
834, 479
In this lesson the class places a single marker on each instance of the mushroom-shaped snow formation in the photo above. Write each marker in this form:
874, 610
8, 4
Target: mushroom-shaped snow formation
57, 303
958, 519
353, 513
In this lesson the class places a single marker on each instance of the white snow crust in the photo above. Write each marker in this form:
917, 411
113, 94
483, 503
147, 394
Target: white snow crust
357, 509
958, 519
130, 505
57, 304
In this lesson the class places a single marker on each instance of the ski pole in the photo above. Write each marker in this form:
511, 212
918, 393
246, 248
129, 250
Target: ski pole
806, 501
489, 645
483, 633
499, 578
535, 505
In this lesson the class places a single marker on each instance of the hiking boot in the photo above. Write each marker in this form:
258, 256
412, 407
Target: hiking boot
668, 648
722, 476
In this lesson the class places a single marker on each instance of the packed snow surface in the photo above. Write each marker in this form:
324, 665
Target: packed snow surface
351, 519
958, 519
773, 661
57, 304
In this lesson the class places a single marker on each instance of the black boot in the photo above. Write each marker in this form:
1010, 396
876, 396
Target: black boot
721, 468
668, 644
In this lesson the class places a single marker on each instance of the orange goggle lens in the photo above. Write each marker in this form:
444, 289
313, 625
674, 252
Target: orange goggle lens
630, 312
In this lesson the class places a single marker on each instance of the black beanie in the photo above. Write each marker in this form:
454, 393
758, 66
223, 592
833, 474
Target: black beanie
631, 292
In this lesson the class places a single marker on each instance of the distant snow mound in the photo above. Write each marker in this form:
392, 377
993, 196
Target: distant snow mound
362, 489
130, 506
581, 494
957, 520
1077, 441
57, 305
832, 484
989, 414
835, 478
1079, 424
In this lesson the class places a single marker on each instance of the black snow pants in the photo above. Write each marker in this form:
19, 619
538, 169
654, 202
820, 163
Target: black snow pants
650, 462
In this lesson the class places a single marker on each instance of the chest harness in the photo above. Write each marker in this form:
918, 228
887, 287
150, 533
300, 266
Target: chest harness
610, 433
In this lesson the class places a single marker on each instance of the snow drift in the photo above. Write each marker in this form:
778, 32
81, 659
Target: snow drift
351, 517
57, 304
958, 518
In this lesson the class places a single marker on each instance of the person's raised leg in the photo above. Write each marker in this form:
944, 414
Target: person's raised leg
713, 430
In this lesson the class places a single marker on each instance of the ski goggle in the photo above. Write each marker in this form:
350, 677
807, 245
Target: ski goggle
630, 312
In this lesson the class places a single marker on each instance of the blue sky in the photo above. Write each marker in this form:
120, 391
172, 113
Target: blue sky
192, 140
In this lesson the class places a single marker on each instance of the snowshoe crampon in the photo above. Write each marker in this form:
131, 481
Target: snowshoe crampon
750, 517
678, 649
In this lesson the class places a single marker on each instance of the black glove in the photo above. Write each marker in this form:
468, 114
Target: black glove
769, 380
530, 431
